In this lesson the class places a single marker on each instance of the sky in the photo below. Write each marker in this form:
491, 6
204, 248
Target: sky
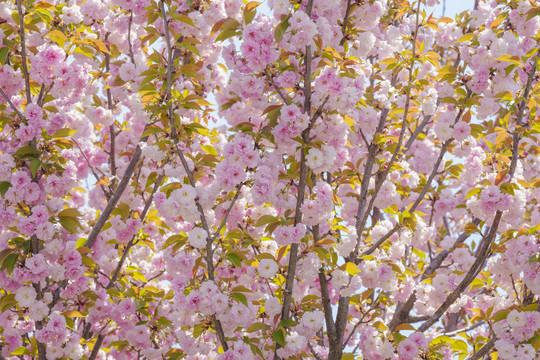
453, 7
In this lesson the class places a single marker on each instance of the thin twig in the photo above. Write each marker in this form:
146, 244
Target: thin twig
278, 90
11, 105
345, 21
462, 330
483, 351
23, 52
112, 134
131, 55
231, 205
313, 352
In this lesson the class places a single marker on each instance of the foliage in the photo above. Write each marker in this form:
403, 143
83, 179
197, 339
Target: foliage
322, 179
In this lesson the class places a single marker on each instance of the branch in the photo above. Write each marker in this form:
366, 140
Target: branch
105, 192
417, 132
104, 216
365, 183
317, 356
293, 255
469, 277
401, 314
110, 106
434, 265
209, 239
131, 56
486, 244
23, 53
483, 351
97, 346
11, 105
132, 241
357, 325
86, 331
396, 154
278, 90
345, 21
416, 203
231, 205
465, 329
330, 325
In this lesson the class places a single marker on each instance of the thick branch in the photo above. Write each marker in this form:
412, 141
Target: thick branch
483, 251
325, 297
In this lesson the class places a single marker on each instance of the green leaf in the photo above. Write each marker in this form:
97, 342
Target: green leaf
9, 262
280, 29
472, 192
257, 326
70, 224
165, 322
190, 47
279, 337
351, 268
34, 166
169, 188
69, 213
174, 239
500, 315
64, 132
209, 149
249, 11
119, 344
152, 129
21, 351
88, 261
4, 186
240, 298
266, 219
235, 259
86, 51
465, 37
226, 34
57, 36
442, 340
510, 59
3, 55
185, 19
534, 12
287, 323
136, 275
26, 151
7, 301
459, 345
